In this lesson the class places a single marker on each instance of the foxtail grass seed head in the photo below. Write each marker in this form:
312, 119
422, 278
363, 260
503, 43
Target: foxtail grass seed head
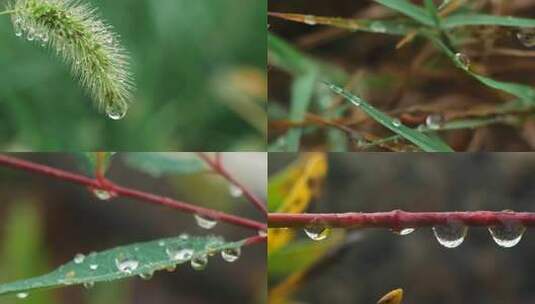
77, 34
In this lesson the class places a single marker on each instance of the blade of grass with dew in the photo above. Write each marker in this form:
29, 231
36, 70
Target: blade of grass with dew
365, 25
420, 140
157, 164
524, 92
410, 10
464, 19
141, 259
302, 92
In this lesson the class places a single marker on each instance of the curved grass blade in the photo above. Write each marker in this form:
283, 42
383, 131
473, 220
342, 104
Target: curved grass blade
141, 259
159, 163
410, 10
484, 19
423, 141
373, 26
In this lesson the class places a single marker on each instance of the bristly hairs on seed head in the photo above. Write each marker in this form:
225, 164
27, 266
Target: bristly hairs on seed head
78, 35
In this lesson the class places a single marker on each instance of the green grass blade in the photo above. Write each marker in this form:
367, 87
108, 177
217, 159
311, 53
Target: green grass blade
158, 164
524, 92
410, 10
421, 140
484, 19
150, 257
286, 57
302, 91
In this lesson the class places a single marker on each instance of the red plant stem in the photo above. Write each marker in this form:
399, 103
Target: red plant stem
398, 219
127, 192
255, 240
217, 166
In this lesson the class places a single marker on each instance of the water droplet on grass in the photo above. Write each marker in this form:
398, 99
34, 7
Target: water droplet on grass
89, 285
231, 254
310, 20
450, 235
434, 121
463, 60
526, 37
79, 258
146, 275
396, 123
378, 27
93, 266
179, 255
199, 262
204, 222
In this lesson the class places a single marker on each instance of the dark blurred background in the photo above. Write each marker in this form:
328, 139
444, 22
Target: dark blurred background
377, 261
45, 222
199, 69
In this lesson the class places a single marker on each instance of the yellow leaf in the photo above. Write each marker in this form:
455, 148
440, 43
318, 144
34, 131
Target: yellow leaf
292, 190
393, 297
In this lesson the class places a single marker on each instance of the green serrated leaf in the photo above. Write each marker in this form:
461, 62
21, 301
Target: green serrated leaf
423, 141
410, 10
141, 259
465, 19
158, 164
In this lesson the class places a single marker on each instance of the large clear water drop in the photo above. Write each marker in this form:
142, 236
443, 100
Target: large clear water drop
508, 234
205, 222
231, 254
126, 264
450, 235
317, 232
79, 258
434, 121
199, 262
116, 111
179, 255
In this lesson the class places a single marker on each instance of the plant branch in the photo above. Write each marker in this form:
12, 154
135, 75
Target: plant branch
218, 167
398, 219
255, 240
118, 190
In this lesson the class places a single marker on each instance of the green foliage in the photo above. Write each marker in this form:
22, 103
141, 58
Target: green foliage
158, 164
141, 259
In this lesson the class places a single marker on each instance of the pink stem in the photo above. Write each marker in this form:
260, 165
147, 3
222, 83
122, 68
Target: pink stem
398, 219
217, 166
128, 192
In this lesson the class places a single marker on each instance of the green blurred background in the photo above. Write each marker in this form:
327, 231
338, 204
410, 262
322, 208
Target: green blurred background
199, 70
45, 222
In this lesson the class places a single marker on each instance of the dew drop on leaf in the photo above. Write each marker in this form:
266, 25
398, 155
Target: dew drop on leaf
508, 234
179, 255
526, 37
116, 111
396, 123
22, 295
126, 264
235, 191
183, 237
93, 266
463, 60
231, 254
79, 258
199, 262
204, 222
89, 285
378, 27
450, 235
102, 195
310, 20
146, 275
317, 232
403, 231
161, 243
434, 121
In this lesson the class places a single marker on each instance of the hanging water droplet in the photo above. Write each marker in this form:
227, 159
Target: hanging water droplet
183, 237
102, 194
403, 231
126, 264
146, 275
235, 191
262, 233
463, 60
89, 285
310, 20
450, 235
508, 234
434, 121
116, 111
396, 123
199, 262
93, 266
22, 295
79, 258
179, 255
204, 222
161, 243
317, 232
231, 254
526, 36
